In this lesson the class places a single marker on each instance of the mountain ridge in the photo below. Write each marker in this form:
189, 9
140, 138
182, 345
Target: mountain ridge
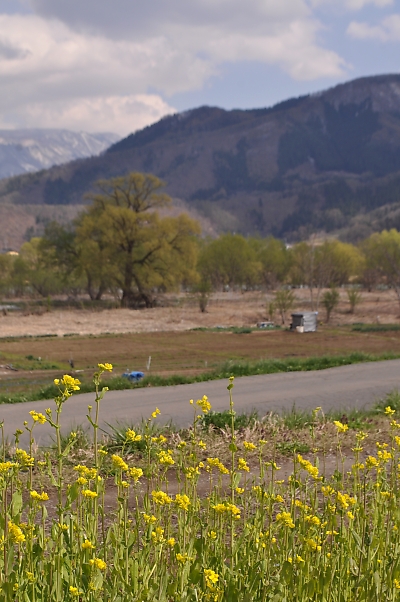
32, 149
310, 163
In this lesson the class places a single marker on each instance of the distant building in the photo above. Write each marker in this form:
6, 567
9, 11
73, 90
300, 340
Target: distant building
306, 321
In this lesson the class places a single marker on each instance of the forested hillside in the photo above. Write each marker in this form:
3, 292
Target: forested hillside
328, 161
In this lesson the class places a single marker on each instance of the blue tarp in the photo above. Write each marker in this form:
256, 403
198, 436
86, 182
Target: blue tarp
134, 376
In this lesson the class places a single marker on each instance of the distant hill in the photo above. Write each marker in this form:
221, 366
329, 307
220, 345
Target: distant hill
28, 150
319, 162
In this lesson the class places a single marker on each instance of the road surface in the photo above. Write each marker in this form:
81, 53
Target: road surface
354, 386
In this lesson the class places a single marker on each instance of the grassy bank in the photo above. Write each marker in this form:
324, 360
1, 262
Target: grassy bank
268, 366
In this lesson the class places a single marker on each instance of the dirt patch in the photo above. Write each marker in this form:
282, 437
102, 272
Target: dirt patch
224, 309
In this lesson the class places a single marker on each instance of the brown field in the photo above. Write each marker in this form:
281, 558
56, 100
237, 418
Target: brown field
181, 313
127, 338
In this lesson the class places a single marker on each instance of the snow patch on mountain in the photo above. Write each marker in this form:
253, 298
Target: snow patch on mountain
28, 150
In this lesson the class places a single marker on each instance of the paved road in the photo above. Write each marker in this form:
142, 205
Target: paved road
358, 385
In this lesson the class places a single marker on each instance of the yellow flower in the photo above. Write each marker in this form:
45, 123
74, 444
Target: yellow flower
204, 404
40, 497
212, 535
344, 500
132, 436
24, 458
157, 536
89, 493
286, 519
182, 501
149, 519
242, 465
38, 417
312, 470
389, 411
87, 545
161, 498
118, 462
15, 533
211, 578
396, 583
98, 563
313, 520
182, 558
249, 446
371, 462
384, 455
73, 591
165, 458
313, 545
5, 467
155, 413
135, 473
341, 428
70, 383
227, 508
171, 542
239, 490
215, 462
105, 367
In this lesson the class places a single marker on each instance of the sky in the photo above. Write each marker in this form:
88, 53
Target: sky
102, 66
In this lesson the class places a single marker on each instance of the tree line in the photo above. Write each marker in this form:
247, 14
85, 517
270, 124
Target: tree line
122, 245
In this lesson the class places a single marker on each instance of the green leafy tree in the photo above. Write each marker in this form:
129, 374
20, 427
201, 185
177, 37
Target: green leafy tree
318, 266
37, 270
274, 260
229, 261
382, 252
7, 263
141, 251
62, 256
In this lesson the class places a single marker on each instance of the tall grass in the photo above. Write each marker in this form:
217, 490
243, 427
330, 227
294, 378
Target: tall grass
192, 527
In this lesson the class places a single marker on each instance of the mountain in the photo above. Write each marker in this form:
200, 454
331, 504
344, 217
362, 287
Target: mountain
28, 150
328, 161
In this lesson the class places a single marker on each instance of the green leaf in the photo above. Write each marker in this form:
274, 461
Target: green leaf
16, 503
72, 494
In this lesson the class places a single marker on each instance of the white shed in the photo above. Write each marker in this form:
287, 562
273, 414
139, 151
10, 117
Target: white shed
304, 321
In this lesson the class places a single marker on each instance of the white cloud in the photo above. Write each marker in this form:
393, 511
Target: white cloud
353, 5
359, 4
78, 56
388, 30
119, 114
